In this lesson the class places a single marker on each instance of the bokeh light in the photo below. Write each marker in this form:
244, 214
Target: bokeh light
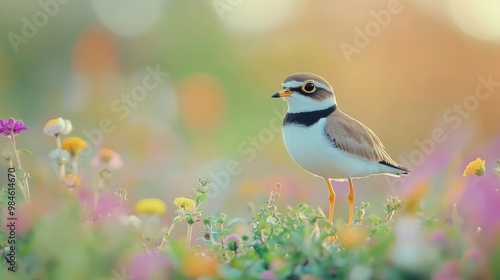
129, 18
249, 17
202, 103
478, 18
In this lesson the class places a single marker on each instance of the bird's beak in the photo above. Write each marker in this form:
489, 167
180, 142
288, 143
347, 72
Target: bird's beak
282, 93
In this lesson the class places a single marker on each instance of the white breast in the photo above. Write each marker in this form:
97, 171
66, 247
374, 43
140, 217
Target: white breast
312, 150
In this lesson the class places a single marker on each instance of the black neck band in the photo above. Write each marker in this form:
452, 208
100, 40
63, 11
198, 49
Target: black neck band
308, 118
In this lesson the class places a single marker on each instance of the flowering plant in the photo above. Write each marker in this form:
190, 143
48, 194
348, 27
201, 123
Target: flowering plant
107, 235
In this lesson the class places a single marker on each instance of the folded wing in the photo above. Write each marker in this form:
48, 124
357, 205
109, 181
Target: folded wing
355, 138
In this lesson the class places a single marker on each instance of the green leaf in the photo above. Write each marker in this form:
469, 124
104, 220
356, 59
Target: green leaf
4, 196
235, 221
321, 212
3, 237
374, 219
25, 150
271, 220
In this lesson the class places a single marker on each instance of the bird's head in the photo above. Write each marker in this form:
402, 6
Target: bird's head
305, 92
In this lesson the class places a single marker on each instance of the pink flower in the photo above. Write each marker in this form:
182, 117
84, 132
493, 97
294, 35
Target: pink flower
107, 205
107, 158
149, 265
479, 207
479, 204
11, 127
268, 275
449, 270
475, 256
439, 237
233, 241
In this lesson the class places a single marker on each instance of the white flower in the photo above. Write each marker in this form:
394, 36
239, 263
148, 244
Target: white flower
411, 250
130, 220
57, 126
59, 156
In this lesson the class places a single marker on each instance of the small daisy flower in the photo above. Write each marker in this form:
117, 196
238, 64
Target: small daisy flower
57, 126
132, 220
72, 181
475, 167
74, 145
11, 127
108, 158
150, 206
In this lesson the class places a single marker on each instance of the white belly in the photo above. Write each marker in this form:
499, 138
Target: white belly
310, 148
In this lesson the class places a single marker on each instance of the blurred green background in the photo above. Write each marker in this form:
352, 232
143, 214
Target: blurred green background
411, 64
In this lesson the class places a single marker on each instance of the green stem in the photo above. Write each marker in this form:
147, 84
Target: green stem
74, 163
212, 239
391, 214
62, 165
101, 183
170, 230
166, 236
222, 242
24, 185
189, 234
58, 141
62, 170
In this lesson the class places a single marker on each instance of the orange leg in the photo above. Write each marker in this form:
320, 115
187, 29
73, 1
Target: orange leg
351, 202
331, 199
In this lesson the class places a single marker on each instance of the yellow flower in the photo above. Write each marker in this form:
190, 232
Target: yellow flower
72, 181
74, 145
184, 203
57, 126
351, 237
150, 206
475, 167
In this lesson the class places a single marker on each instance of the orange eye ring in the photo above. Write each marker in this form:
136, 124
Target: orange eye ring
308, 87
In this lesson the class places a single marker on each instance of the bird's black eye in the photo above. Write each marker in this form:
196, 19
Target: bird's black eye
308, 87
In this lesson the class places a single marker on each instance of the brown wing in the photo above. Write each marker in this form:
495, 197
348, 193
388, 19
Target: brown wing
353, 137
